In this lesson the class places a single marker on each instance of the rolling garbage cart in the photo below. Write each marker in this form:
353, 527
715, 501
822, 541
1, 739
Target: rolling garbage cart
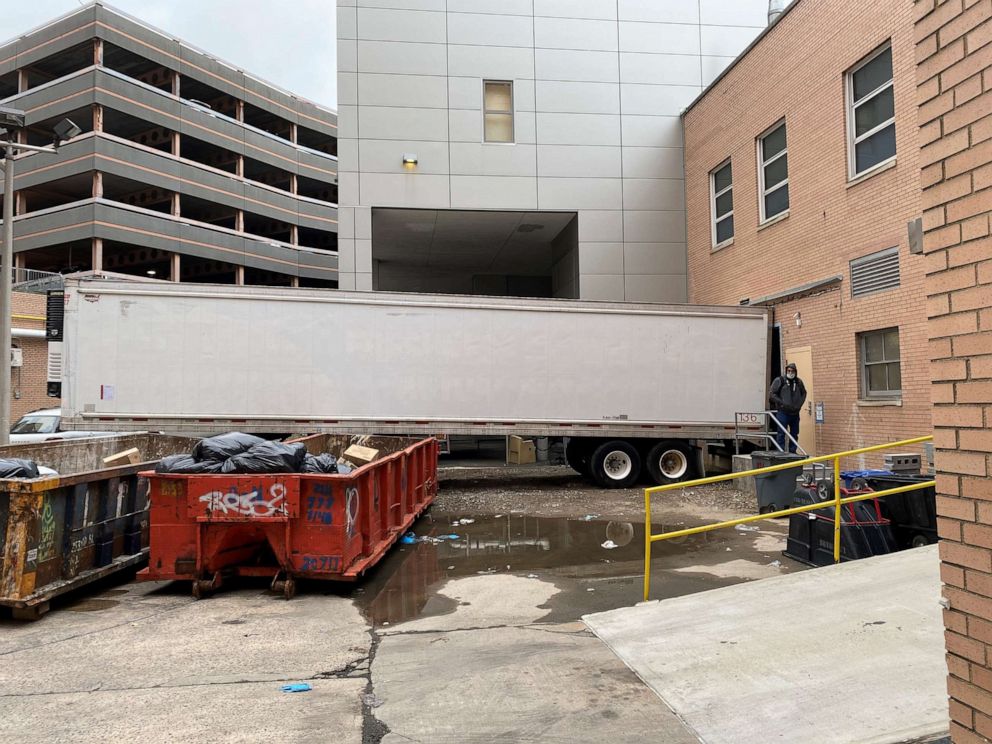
775, 490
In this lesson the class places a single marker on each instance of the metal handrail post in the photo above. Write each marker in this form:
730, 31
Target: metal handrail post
837, 514
647, 545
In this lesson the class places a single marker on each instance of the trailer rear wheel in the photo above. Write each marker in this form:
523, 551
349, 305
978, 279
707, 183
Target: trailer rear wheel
670, 462
616, 464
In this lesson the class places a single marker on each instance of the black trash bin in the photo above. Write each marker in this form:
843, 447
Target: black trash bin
775, 490
864, 531
913, 514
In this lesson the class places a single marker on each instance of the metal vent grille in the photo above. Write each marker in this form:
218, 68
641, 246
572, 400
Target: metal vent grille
875, 272
55, 361
54, 388
55, 315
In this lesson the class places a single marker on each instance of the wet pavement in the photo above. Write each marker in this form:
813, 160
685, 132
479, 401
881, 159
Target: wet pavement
569, 553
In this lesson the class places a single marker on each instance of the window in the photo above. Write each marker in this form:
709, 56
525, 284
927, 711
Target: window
36, 425
722, 204
773, 173
875, 272
871, 113
881, 376
498, 111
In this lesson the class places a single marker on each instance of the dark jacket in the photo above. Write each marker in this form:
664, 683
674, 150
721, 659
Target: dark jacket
788, 395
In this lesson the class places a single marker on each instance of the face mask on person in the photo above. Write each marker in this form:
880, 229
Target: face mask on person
790, 375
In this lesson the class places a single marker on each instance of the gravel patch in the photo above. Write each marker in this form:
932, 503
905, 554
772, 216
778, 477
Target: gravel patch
555, 490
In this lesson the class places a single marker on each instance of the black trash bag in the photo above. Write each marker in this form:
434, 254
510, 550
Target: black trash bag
13, 467
326, 463
223, 446
268, 457
186, 464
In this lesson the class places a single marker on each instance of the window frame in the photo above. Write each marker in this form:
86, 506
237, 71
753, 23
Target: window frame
850, 105
486, 110
763, 190
714, 195
864, 364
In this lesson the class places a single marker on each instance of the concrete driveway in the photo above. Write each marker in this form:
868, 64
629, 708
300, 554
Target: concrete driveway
144, 662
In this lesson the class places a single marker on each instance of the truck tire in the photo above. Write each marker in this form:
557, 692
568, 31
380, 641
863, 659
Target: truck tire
615, 464
670, 462
577, 455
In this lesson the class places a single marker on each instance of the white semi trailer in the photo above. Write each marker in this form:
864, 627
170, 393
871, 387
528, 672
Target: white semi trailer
631, 386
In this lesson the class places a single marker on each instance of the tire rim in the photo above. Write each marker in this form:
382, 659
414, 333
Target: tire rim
673, 464
617, 465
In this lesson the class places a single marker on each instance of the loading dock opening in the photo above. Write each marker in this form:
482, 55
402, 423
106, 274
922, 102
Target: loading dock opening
477, 252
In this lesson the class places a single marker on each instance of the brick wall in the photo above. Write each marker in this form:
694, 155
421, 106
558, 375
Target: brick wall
954, 77
831, 221
29, 383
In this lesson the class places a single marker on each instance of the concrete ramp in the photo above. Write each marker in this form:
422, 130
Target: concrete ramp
848, 654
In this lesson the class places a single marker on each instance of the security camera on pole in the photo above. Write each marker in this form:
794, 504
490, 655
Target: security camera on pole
11, 120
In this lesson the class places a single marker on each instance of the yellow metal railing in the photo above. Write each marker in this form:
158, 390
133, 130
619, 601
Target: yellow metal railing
837, 501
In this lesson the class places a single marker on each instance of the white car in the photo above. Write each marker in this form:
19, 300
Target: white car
45, 426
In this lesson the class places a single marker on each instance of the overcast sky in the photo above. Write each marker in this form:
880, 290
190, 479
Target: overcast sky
287, 42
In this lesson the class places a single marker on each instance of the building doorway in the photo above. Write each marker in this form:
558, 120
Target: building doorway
802, 357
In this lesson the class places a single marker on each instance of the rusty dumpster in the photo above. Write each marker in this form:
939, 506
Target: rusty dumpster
61, 532
206, 528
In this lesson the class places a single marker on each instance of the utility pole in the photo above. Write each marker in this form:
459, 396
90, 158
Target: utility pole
10, 120
7, 266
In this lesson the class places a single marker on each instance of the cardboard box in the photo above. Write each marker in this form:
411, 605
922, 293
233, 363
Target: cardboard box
126, 457
520, 451
359, 455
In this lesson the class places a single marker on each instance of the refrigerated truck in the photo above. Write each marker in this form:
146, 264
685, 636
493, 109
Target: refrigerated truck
630, 387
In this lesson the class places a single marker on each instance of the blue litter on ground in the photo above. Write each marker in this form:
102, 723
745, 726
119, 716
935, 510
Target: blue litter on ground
300, 687
408, 539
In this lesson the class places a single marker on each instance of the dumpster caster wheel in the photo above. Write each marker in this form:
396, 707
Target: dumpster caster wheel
203, 588
286, 587
919, 541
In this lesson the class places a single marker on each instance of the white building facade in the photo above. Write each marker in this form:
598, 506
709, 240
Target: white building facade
523, 147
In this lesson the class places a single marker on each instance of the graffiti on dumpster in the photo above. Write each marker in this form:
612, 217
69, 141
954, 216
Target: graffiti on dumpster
351, 511
46, 542
320, 505
253, 503
321, 563
76, 547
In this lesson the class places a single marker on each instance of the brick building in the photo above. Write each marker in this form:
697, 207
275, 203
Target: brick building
827, 244
29, 378
954, 77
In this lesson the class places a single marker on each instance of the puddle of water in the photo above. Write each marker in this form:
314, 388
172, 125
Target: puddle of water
404, 584
93, 605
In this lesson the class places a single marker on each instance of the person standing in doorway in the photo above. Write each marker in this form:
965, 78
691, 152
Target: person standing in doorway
788, 394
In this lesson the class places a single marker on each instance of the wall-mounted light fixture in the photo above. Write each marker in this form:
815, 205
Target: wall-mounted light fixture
409, 159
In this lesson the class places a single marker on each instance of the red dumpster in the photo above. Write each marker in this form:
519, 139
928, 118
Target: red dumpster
206, 527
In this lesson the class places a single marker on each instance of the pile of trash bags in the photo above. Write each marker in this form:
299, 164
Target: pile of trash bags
246, 454
14, 467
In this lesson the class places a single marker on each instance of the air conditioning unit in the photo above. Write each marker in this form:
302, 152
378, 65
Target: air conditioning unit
16, 357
